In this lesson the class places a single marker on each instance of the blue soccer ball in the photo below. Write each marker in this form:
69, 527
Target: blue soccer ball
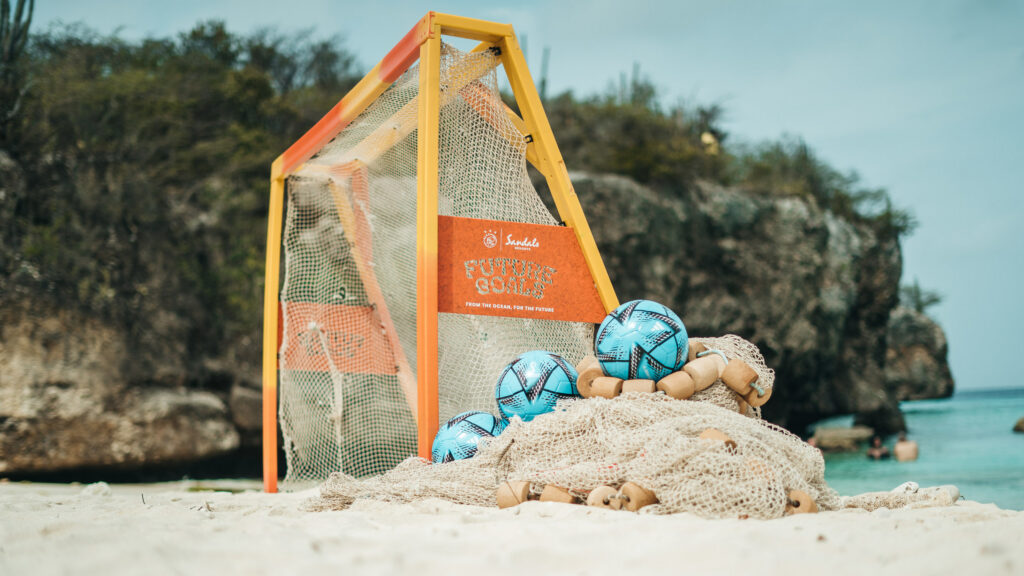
533, 383
642, 339
460, 437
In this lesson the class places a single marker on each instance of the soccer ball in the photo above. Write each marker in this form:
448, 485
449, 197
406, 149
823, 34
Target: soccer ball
459, 437
641, 339
533, 383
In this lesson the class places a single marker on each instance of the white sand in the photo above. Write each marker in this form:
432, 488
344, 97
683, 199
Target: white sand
165, 529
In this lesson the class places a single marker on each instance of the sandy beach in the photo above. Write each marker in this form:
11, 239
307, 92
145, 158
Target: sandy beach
174, 529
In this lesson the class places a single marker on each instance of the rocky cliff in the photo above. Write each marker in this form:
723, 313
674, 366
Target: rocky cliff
80, 389
915, 362
71, 396
813, 291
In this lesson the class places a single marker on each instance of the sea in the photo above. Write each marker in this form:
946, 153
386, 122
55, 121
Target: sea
967, 440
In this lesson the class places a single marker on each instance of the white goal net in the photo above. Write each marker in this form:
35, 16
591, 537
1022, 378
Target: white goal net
349, 294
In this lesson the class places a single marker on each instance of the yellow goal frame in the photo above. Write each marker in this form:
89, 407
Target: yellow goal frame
423, 44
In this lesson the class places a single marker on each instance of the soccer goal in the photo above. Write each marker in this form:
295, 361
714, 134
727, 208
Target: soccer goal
418, 259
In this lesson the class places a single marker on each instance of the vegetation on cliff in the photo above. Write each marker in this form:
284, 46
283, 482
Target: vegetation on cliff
135, 178
631, 133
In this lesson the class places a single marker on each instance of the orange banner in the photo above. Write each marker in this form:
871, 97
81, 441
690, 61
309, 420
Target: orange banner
349, 337
495, 268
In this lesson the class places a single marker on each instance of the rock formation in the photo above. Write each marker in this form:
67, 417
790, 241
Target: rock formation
70, 398
84, 390
842, 439
915, 363
813, 291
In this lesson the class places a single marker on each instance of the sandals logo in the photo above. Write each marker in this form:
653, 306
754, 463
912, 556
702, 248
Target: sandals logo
524, 244
490, 238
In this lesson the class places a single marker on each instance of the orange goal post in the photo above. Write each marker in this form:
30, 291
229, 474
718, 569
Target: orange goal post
417, 257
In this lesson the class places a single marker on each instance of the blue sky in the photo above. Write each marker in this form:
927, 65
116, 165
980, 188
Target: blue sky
923, 98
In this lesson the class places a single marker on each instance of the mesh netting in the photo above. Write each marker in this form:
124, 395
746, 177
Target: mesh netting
734, 347
347, 362
649, 439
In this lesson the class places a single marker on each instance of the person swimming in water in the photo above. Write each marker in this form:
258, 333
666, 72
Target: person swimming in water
878, 451
905, 450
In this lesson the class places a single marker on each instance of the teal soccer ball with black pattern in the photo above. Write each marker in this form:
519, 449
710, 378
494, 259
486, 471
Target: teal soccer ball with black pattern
533, 383
641, 340
460, 437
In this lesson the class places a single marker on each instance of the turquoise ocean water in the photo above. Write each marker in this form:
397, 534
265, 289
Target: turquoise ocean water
966, 440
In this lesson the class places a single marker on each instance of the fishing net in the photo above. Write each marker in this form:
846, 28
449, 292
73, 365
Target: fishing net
649, 439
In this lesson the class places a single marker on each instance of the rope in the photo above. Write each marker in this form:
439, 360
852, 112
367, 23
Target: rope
719, 352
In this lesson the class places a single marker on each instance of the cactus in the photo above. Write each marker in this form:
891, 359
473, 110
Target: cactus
14, 32
13, 39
